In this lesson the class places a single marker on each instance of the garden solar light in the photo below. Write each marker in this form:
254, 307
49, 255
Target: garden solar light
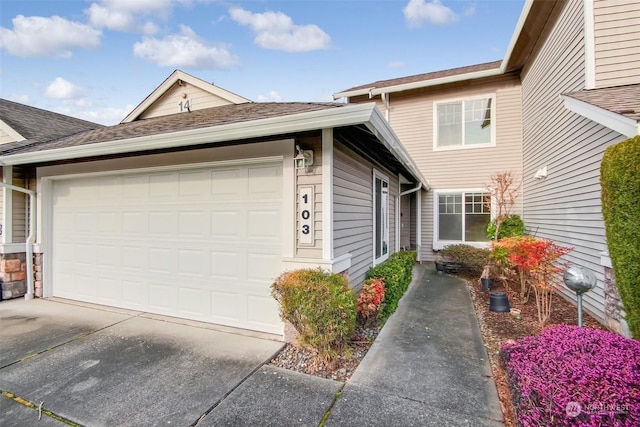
579, 280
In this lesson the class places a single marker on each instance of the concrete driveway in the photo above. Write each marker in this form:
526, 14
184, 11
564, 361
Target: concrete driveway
104, 367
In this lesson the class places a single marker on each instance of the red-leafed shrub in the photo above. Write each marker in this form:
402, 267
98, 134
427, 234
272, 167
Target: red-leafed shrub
370, 299
572, 376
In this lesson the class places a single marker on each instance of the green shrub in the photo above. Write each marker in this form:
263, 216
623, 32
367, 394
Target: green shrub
396, 274
511, 226
320, 306
620, 180
471, 259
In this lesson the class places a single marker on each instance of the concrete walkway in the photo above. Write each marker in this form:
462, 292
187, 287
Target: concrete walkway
428, 366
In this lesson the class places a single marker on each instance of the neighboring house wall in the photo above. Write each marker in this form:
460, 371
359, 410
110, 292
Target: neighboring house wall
5, 137
169, 102
617, 42
564, 206
353, 210
19, 204
411, 115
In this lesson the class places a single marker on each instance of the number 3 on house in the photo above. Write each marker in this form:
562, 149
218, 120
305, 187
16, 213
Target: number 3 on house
305, 216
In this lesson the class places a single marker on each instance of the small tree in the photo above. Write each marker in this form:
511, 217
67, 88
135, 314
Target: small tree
504, 189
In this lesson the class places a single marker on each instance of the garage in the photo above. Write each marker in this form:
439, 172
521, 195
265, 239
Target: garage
201, 243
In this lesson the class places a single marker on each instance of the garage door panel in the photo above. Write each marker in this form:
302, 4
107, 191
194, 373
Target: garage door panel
201, 244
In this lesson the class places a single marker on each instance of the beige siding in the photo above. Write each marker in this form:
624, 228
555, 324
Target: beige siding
353, 210
19, 201
5, 137
564, 207
168, 102
617, 42
312, 177
411, 116
406, 218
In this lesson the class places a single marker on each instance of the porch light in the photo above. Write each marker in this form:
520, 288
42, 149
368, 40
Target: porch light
303, 159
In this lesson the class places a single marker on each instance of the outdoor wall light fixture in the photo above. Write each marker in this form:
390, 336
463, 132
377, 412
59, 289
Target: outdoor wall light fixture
303, 159
541, 173
579, 280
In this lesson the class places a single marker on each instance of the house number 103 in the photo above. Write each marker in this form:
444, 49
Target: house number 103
305, 216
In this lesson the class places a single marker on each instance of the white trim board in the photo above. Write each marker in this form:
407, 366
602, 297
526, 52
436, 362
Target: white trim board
617, 122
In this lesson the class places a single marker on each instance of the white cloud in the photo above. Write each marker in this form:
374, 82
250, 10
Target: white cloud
105, 116
397, 64
420, 12
62, 89
275, 30
126, 15
184, 50
273, 96
54, 36
470, 10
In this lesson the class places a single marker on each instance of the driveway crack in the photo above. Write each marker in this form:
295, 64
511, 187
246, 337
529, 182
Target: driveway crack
39, 409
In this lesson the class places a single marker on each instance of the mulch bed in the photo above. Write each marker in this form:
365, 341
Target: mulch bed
497, 328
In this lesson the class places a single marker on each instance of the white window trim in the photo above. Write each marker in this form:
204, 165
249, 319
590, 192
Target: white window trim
462, 146
379, 175
441, 244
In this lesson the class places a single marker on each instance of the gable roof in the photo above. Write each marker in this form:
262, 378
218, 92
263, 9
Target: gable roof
33, 125
180, 76
617, 108
435, 78
220, 125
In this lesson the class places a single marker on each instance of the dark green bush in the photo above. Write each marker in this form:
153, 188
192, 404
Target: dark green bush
471, 259
396, 274
511, 226
321, 307
620, 180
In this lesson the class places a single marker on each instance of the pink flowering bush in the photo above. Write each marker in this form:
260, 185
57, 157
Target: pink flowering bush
571, 376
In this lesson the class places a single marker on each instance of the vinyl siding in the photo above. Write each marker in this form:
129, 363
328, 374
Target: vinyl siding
411, 117
406, 218
19, 201
565, 206
168, 102
617, 42
353, 210
5, 137
312, 177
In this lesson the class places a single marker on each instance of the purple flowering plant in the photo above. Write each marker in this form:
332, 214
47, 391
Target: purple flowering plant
572, 376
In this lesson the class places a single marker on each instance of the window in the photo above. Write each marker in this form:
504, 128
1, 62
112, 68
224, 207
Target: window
464, 123
380, 217
462, 216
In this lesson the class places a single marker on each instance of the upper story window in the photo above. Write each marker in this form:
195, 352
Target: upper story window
464, 123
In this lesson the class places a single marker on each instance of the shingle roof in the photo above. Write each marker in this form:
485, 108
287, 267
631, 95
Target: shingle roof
623, 100
428, 76
38, 125
196, 119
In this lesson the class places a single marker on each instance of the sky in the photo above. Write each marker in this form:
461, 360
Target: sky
98, 59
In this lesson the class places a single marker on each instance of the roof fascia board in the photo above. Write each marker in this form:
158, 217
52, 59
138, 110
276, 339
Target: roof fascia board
421, 84
617, 122
11, 132
380, 127
170, 81
334, 117
516, 34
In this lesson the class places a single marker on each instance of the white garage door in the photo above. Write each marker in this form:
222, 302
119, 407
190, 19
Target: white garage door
200, 244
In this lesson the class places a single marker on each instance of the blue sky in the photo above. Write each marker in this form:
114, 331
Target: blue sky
98, 59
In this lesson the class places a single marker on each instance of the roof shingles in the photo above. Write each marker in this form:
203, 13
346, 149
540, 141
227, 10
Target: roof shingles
623, 100
197, 119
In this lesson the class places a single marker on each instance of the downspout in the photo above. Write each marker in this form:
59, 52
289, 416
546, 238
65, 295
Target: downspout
385, 102
30, 237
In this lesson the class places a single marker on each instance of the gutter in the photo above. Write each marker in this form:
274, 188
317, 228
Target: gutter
30, 238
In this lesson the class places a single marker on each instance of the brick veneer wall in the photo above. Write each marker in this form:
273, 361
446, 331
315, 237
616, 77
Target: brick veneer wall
613, 308
13, 274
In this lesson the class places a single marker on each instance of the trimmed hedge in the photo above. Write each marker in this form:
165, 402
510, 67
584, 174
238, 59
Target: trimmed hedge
572, 376
620, 180
396, 274
321, 307
471, 259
